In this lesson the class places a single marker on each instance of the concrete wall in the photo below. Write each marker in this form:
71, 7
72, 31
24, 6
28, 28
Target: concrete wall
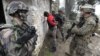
69, 4
35, 17
55, 5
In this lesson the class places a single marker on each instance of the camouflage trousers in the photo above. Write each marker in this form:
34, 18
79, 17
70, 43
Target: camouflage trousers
79, 46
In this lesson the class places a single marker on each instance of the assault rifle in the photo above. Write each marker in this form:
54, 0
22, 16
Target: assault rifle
79, 25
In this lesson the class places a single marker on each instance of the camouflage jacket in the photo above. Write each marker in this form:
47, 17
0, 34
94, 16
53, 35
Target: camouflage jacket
89, 27
8, 38
83, 37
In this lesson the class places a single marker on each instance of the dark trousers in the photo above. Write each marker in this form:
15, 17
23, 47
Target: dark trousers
53, 41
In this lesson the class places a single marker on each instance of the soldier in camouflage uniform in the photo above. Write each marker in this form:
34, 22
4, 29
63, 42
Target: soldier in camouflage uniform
83, 32
21, 43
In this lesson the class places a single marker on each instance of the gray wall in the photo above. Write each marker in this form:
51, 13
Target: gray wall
68, 6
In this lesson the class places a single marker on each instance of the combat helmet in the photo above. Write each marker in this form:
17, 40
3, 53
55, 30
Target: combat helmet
16, 7
87, 8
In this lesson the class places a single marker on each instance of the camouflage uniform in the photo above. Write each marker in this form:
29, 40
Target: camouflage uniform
22, 37
79, 44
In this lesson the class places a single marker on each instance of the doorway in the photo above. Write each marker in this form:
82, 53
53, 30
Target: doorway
2, 16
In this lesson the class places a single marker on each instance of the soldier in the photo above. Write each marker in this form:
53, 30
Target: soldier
83, 32
60, 19
17, 45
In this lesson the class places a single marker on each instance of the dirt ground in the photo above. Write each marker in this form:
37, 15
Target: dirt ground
62, 47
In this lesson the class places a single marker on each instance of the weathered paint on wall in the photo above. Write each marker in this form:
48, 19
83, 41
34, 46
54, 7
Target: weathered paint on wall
55, 5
